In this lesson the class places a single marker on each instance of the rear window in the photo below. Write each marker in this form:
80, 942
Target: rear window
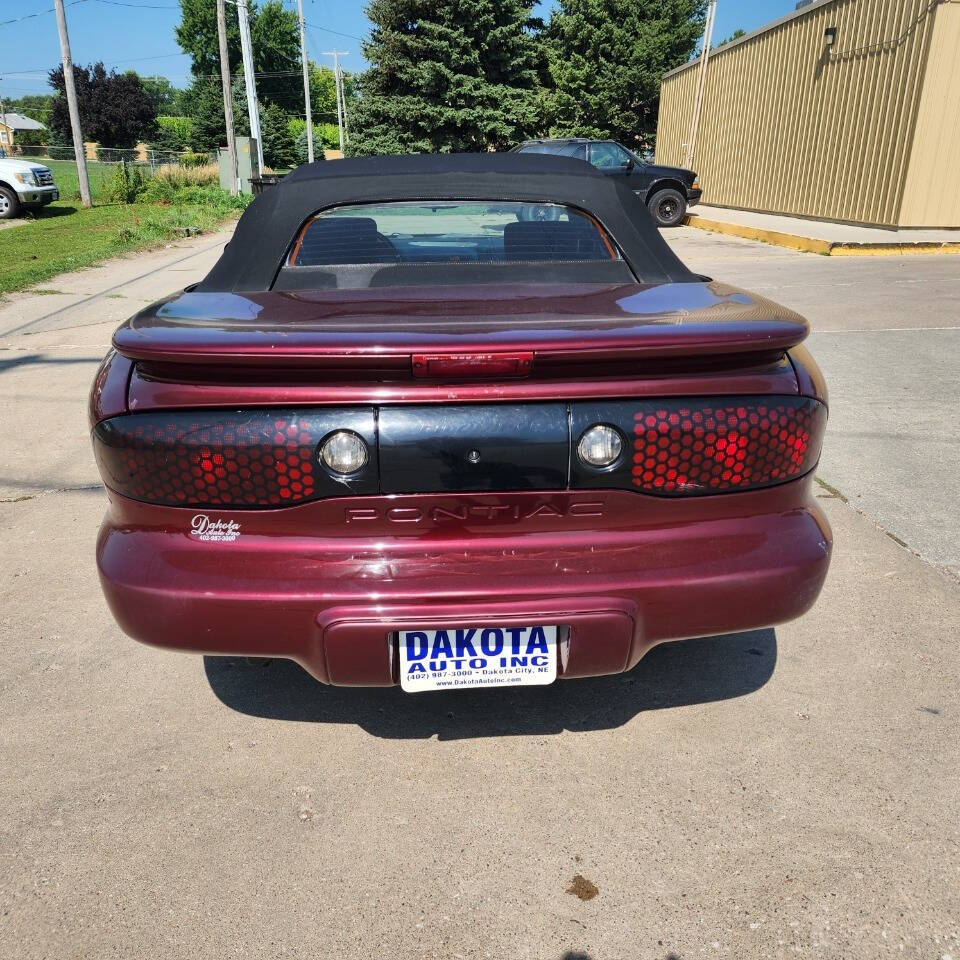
451, 232
577, 150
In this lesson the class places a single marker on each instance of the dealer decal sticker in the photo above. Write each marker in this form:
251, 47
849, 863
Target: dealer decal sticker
477, 657
214, 531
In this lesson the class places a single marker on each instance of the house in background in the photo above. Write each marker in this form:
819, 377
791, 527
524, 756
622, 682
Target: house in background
12, 124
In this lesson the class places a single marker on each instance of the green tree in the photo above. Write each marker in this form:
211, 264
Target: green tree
208, 127
275, 36
607, 58
165, 95
178, 129
197, 36
323, 93
36, 106
736, 35
447, 75
279, 146
275, 42
115, 109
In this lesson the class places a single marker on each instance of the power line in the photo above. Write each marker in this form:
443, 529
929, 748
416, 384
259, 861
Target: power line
112, 63
138, 6
339, 33
39, 13
73, 3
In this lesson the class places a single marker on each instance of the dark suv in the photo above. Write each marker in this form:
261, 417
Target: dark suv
667, 191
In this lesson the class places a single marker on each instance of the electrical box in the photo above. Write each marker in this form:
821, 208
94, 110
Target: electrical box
246, 164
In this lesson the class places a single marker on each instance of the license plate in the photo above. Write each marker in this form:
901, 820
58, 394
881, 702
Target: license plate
453, 659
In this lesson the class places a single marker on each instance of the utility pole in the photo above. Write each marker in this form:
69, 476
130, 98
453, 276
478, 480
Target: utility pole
250, 80
306, 82
341, 103
3, 121
71, 92
227, 95
701, 82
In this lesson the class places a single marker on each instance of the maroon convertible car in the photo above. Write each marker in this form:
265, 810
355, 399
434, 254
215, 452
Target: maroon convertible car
455, 421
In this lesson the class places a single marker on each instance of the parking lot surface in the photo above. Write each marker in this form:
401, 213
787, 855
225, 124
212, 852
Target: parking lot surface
788, 792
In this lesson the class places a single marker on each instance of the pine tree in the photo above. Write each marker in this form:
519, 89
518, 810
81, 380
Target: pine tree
607, 58
447, 75
279, 146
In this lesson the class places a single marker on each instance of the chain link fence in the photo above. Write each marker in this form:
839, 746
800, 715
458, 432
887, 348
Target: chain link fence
142, 155
103, 167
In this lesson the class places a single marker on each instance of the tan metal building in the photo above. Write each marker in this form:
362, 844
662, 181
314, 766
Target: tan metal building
863, 129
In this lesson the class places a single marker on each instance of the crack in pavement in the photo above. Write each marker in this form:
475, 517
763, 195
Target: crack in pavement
80, 488
951, 573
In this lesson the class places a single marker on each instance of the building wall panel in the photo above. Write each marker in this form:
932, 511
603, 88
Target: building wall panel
931, 195
788, 126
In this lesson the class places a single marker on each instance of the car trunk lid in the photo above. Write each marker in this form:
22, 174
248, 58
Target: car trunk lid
458, 333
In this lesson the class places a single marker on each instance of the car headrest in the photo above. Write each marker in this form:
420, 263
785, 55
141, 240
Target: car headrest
553, 240
340, 240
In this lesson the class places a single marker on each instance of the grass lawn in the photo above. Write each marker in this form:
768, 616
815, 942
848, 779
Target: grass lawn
99, 174
64, 236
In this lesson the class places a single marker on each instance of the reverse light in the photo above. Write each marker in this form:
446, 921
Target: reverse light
344, 452
600, 446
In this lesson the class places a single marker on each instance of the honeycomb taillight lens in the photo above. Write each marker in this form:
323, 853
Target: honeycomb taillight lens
690, 447
217, 458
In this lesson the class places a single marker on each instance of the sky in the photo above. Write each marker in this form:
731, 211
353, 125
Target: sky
138, 35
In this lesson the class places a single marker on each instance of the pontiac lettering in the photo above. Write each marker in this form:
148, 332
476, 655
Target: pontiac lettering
478, 511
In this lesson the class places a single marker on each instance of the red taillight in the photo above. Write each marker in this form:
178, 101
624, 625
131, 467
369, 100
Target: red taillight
268, 458
690, 447
261, 458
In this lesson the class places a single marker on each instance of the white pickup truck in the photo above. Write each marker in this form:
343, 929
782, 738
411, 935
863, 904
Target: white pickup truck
24, 184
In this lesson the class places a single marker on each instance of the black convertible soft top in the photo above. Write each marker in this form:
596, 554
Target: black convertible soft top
251, 261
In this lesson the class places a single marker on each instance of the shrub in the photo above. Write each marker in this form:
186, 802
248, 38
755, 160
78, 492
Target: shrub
195, 160
296, 126
157, 190
178, 131
325, 135
127, 183
329, 133
31, 138
162, 191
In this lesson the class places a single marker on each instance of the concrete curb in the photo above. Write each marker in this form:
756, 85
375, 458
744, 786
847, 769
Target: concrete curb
826, 248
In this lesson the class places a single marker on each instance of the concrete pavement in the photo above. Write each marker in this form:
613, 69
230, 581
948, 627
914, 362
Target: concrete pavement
822, 236
51, 345
886, 332
780, 793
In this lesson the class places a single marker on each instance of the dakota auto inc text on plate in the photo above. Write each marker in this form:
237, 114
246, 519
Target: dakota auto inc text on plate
477, 657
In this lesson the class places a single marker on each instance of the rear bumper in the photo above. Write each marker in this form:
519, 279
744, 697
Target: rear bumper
331, 603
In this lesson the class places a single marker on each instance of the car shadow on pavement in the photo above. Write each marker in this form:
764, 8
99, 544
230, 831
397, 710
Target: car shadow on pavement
671, 675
